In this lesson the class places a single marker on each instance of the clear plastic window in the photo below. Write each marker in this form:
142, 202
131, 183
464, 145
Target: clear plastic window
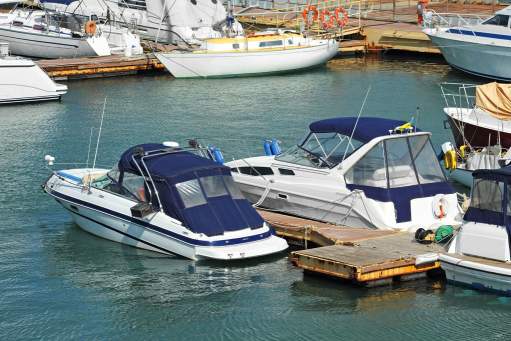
191, 193
370, 169
425, 160
498, 20
487, 195
134, 184
232, 187
213, 186
399, 161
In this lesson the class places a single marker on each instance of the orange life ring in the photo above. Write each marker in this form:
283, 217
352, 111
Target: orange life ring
305, 14
90, 27
341, 22
327, 19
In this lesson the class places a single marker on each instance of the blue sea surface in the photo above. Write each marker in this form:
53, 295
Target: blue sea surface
59, 282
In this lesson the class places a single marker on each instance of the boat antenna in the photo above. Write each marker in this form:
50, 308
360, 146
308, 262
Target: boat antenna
90, 143
97, 142
356, 123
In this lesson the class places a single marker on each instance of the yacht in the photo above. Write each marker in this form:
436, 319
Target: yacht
478, 115
21, 80
41, 34
165, 199
482, 49
359, 172
479, 254
262, 53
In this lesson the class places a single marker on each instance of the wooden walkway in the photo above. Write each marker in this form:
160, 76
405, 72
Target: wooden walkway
364, 256
91, 67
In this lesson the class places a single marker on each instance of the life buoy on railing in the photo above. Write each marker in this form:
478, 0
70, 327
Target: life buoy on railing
341, 22
306, 17
90, 27
440, 206
327, 19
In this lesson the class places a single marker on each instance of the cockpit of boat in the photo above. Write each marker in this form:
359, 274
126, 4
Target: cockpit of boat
501, 18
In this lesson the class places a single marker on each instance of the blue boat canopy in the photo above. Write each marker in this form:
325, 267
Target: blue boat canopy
367, 128
192, 189
490, 196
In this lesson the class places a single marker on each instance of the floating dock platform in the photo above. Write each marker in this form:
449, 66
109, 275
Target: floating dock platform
93, 67
359, 255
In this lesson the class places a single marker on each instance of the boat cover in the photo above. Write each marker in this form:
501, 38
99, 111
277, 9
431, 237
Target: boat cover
489, 197
214, 214
367, 128
495, 99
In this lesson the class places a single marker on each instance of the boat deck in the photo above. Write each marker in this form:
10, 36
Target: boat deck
360, 255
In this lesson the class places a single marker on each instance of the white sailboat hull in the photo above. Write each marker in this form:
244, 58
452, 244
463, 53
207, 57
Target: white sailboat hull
203, 65
39, 45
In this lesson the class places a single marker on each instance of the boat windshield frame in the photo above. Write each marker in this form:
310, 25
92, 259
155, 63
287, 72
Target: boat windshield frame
324, 156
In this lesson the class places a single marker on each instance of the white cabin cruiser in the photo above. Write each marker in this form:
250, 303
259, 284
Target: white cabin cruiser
259, 54
479, 255
482, 49
21, 80
358, 173
40, 34
168, 200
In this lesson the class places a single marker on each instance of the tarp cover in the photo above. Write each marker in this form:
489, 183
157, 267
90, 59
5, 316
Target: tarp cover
495, 99
215, 214
366, 129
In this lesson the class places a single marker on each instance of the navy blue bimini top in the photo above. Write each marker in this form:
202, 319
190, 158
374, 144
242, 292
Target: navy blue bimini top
214, 210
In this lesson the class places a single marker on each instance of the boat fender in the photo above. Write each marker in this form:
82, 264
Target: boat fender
90, 27
341, 21
427, 258
275, 147
217, 155
440, 206
450, 161
267, 148
464, 151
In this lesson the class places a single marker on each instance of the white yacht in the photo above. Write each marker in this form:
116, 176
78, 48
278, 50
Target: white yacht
41, 34
479, 255
166, 199
266, 52
367, 172
189, 21
482, 49
21, 80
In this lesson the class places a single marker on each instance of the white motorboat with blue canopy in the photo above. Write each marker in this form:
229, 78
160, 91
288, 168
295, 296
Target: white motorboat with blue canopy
166, 199
482, 48
366, 172
479, 255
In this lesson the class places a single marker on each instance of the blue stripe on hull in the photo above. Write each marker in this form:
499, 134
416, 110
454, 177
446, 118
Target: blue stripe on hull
479, 34
170, 234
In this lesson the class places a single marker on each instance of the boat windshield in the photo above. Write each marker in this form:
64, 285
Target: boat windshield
397, 162
498, 20
487, 195
320, 150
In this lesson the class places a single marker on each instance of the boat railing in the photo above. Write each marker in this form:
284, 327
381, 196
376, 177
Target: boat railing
460, 97
432, 19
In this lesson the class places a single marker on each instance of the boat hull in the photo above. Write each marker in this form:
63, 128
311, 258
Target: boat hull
476, 275
23, 81
166, 238
38, 45
206, 65
484, 60
477, 136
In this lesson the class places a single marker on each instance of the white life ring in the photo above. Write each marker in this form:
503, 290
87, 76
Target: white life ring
440, 206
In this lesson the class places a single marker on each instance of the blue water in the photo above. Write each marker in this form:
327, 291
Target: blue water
58, 282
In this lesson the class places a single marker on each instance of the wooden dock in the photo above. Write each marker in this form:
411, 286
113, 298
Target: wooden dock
363, 256
92, 67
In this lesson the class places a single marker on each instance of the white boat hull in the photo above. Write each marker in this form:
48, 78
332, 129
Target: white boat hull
203, 65
476, 275
32, 44
23, 81
489, 60
159, 233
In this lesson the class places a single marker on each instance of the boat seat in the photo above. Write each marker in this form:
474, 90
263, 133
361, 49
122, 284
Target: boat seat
90, 177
